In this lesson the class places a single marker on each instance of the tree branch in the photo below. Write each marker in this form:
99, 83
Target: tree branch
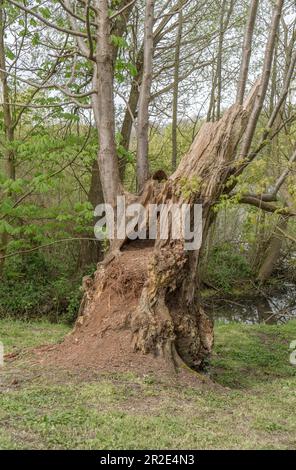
284, 175
48, 23
62, 240
72, 13
125, 7
286, 234
266, 206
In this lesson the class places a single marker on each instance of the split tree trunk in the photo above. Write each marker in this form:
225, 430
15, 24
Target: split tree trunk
146, 301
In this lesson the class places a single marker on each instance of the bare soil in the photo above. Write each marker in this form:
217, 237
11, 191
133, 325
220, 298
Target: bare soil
102, 337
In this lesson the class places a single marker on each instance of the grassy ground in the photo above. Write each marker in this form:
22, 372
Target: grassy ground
252, 405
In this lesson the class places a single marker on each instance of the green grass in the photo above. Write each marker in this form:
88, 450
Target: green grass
17, 335
246, 355
252, 405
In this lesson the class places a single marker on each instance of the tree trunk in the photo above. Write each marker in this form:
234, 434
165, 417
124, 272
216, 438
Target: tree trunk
247, 49
142, 308
214, 111
268, 58
9, 153
130, 114
104, 107
91, 251
273, 251
144, 99
176, 93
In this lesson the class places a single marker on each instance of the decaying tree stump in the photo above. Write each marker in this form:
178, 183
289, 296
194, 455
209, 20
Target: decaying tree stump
145, 303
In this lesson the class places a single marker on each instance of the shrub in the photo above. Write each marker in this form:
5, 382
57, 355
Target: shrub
34, 286
224, 267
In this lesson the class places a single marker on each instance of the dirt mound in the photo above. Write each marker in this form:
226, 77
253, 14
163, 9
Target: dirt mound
102, 336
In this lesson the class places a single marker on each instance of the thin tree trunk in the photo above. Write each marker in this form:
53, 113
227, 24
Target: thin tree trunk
9, 154
219, 61
91, 251
130, 113
144, 99
176, 93
211, 110
104, 108
273, 81
214, 111
273, 251
268, 58
247, 49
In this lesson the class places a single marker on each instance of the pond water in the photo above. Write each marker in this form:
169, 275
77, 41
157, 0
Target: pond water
276, 307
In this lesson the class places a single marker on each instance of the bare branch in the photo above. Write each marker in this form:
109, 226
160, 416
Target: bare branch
88, 29
72, 13
125, 7
286, 235
80, 42
42, 86
284, 175
45, 21
62, 240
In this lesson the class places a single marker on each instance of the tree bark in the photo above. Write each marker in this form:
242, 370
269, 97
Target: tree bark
247, 49
273, 251
104, 108
9, 153
176, 93
214, 111
144, 99
130, 114
91, 251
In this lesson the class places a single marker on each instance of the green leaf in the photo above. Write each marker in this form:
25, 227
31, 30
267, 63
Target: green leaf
35, 39
119, 41
45, 12
9, 54
5, 227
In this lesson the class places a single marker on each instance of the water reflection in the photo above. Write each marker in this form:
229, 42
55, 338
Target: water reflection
276, 308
